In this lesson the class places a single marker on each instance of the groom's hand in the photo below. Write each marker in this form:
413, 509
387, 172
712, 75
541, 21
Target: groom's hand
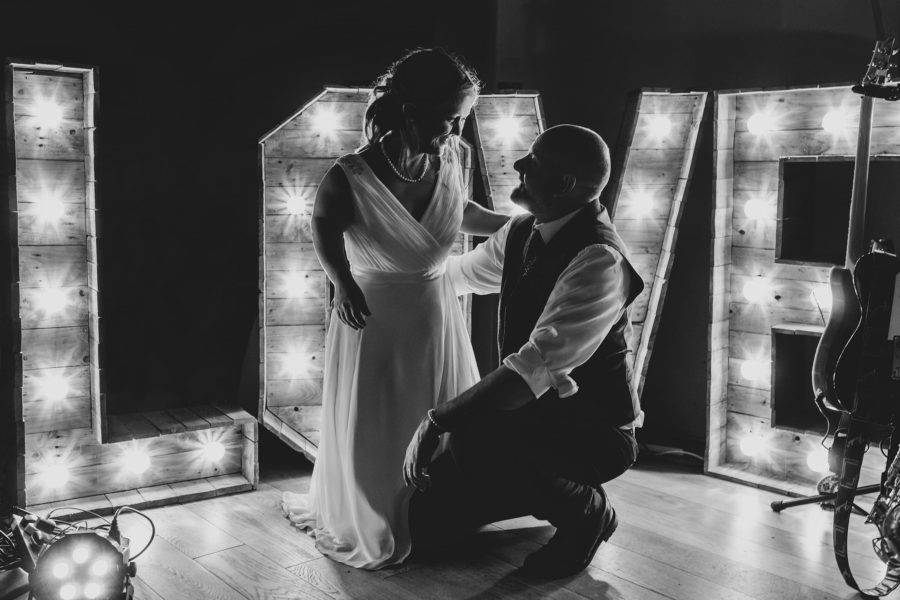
418, 455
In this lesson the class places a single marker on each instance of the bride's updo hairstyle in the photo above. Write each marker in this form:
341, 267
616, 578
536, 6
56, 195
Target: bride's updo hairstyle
422, 77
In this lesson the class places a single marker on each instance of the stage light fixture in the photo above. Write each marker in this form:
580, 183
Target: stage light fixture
752, 445
817, 460
755, 370
68, 568
135, 460
756, 289
48, 113
761, 123
659, 126
213, 451
836, 121
52, 300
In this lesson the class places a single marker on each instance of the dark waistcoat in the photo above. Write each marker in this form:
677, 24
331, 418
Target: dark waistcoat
605, 393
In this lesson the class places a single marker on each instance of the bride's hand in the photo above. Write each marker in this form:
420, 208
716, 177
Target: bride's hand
418, 456
350, 304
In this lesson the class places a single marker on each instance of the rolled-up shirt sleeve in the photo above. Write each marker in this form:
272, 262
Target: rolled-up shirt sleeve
481, 270
588, 299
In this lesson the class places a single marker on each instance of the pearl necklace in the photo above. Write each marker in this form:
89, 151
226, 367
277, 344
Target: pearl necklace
397, 171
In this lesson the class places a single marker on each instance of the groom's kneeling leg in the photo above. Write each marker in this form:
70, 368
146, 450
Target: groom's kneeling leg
568, 481
439, 517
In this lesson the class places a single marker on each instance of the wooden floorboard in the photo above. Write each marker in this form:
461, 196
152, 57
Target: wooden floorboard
681, 536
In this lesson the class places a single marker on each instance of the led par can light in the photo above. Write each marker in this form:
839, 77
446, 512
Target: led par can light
82, 565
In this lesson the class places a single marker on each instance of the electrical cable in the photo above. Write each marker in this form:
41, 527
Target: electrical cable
78, 511
149, 520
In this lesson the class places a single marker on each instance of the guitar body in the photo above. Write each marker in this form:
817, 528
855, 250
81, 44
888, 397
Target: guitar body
842, 321
862, 377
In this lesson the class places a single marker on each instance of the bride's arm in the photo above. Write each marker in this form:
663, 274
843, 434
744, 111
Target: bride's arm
478, 220
332, 214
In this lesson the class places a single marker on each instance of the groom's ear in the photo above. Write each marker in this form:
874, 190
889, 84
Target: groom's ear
566, 184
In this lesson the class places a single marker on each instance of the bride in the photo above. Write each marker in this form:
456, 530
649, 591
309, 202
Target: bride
384, 221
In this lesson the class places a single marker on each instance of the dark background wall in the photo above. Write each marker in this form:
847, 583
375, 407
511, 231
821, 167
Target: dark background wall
185, 94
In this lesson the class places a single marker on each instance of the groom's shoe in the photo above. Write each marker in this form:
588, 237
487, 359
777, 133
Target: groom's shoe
575, 542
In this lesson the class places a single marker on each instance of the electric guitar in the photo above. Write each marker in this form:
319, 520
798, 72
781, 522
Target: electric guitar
863, 377
831, 399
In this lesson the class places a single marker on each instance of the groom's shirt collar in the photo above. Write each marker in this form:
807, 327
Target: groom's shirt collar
551, 228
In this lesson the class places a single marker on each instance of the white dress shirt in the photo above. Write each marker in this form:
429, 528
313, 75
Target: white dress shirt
588, 299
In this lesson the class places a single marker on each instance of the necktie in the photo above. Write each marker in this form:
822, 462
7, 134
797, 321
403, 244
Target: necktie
532, 248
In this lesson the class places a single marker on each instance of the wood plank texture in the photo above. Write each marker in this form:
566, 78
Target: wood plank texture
790, 296
681, 536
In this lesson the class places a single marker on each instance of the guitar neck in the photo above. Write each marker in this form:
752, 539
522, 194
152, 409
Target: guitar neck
856, 233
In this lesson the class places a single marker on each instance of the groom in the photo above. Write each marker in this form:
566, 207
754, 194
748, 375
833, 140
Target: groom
541, 434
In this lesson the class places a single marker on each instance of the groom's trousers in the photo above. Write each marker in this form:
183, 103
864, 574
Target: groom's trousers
514, 463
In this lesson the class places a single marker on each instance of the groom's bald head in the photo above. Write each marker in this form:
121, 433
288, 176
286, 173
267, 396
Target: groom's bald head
568, 166
580, 152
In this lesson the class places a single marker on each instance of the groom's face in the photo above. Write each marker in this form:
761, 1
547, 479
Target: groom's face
537, 180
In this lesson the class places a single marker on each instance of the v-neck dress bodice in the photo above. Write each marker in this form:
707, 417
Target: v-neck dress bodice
379, 382
385, 239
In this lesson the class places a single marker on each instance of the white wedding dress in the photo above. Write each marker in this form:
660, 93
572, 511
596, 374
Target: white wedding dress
379, 382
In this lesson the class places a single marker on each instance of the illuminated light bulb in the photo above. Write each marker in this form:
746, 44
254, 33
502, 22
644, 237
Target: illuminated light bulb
54, 387
756, 209
326, 121
836, 121
642, 203
68, 591
659, 126
756, 289
52, 300
508, 128
100, 568
214, 451
821, 296
756, 370
92, 590
61, 570
760, 123
81, 554
55, 475
296, 286
48, 113
49, 208
135, 461
296, 205
817, 460
752, 445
